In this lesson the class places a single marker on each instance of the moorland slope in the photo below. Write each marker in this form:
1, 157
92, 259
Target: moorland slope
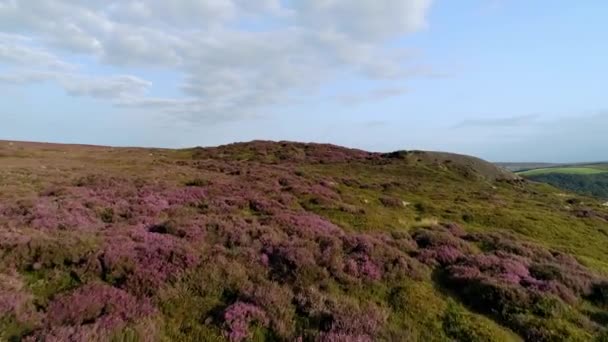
280, 241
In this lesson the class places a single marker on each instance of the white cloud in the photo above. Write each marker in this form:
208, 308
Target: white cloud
368, 20
235, 57
15, 50
115, 87
175, 12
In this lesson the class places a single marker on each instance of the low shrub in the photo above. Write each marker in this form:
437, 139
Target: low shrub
238, 319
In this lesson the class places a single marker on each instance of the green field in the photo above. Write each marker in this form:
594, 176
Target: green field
585, 170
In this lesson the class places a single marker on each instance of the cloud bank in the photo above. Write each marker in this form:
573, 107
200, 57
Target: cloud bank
234, 58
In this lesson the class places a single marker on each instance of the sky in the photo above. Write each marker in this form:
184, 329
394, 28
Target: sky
505, 80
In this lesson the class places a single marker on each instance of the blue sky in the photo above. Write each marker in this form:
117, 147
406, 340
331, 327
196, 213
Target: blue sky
507, 80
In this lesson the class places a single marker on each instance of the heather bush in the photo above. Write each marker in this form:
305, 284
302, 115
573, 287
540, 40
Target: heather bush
16, 301
338, 319
356, 320
506, 243
439, 246
51, 213
293, 261
489, 295
488, 282
522, 285
238, 319
97, 303
360, 266
276, 301
144, 261
428, 238
442, 255
572, 277
261, 206
308, 226
400, 240
93, 312
550, 270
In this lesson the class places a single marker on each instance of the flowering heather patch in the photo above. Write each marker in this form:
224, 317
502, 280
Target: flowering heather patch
360, 266
102, 304
270, 152
455, 229
238, 319
507, 279
442, 255
276, 301
308, 226
545, 265
506, 260
339, 319
15, 300
357, 320
144, 261
289, 261
509, 244
441, 245
94, 312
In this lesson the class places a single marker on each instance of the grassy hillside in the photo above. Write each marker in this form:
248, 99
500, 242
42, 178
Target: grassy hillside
516, 167
589, 180
564, 170
283, 241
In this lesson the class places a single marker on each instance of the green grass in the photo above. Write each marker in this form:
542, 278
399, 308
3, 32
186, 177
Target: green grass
564, 170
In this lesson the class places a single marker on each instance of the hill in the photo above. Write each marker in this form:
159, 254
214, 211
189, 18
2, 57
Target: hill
586, 179
280, 241
515, 167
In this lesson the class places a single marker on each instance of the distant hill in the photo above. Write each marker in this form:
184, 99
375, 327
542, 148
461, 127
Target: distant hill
586, 179
284, 241
463, 164
514, 167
